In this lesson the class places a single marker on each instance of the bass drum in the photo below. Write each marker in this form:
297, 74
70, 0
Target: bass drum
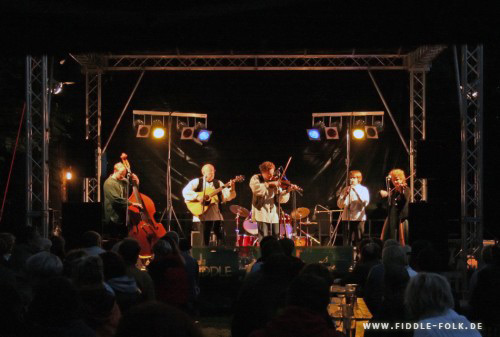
246, 240
302, 241
250, 226
286, 227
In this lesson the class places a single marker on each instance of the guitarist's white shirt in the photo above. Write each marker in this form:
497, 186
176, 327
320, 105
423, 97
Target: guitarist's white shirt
213, 213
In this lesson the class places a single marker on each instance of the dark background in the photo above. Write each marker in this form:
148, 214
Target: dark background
254, 116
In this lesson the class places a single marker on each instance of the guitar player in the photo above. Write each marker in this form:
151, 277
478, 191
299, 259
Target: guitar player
212, 218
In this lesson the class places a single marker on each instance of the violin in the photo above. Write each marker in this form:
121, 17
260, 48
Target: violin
285, 183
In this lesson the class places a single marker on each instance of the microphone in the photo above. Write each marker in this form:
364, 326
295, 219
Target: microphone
388, 177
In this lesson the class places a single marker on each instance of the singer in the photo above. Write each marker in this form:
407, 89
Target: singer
353, 199
398, 197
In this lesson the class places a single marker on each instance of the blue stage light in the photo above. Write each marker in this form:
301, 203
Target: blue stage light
204, 135
314, 134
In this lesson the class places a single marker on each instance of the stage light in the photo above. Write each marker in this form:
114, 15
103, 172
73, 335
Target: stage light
158, 132
204, 135
331, 132
68, 175
358, 133
371, 132
187, 132
314, 134
57, 87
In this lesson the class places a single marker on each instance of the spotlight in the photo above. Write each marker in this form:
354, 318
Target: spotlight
57, 87
143, 131
331, 132
68, 175
158, 129
358, 133
314, 134
204, 135
371, 132
187, 132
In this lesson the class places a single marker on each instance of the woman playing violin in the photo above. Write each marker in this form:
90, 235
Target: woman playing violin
396, 224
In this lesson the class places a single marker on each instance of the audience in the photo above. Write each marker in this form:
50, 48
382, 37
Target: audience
429, 300
192, 271
92, 243
129, 250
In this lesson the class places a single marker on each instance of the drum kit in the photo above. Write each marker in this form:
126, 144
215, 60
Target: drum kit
300, 237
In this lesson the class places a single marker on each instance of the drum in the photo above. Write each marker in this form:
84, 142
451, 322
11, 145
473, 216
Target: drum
301, 241
286, 225
250, 226
246, 240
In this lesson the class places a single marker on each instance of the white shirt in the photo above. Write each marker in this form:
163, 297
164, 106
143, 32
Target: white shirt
213, 212
263, 201
354, 203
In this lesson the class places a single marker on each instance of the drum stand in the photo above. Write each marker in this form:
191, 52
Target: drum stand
237, 230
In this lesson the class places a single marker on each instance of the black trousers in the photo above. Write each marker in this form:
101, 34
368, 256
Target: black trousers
218, 229
353, 232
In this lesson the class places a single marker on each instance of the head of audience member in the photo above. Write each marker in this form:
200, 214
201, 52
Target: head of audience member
370, 252
43, 265
391, 242
174, 236
91, 239
287, 245
270, 247
155, 319
393, 255
129, 250
71, 260
309, 291
89, 272
320, 270
55, 302
58, 247
7, 242
416, 247
428, 295
162, 249
184, 245
113, 265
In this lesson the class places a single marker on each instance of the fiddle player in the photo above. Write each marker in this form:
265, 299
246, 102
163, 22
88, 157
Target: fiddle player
116, 201
396, 224
353, 199
266, 194
212, 218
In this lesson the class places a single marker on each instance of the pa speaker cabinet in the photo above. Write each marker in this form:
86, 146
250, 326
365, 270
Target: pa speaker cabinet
78, 218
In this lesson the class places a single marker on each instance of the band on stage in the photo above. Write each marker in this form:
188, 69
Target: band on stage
205, 195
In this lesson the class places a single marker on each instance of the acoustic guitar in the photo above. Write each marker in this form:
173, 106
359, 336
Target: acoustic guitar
210, 195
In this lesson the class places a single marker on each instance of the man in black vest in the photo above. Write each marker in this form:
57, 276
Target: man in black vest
212, 218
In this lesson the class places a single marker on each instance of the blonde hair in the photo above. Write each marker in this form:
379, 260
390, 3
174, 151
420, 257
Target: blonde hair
397, 173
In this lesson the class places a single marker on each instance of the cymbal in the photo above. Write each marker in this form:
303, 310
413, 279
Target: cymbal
300, 213
239, 210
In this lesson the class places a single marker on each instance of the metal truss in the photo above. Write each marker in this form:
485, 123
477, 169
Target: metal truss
418, 187
93, 89
471, 111
37, 142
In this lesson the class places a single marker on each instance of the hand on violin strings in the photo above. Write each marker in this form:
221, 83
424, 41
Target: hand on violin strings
136, 204
273, 184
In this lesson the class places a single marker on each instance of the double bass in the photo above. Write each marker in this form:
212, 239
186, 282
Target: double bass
143, 226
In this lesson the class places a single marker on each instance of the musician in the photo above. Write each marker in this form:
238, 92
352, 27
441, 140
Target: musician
354, 199
212, 218
266, 195
396, 224
116, 202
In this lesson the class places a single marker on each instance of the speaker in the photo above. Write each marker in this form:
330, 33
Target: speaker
78, 218
427, 221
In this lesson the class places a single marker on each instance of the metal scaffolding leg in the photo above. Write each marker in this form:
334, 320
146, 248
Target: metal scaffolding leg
470, 89
418, 187
92, 186
37, 142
